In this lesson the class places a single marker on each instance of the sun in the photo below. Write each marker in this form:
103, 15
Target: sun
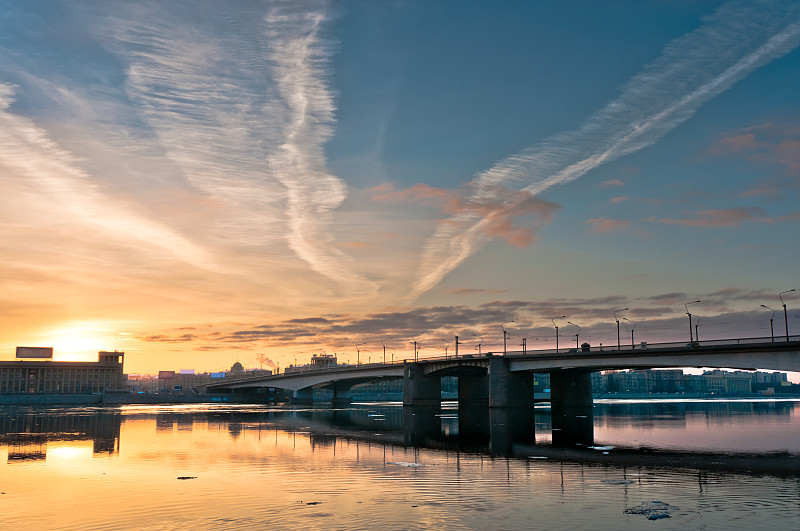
80, 341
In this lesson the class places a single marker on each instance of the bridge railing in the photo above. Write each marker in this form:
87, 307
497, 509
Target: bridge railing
644, 346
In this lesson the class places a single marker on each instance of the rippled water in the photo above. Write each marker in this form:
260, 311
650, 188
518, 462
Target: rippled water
723, 465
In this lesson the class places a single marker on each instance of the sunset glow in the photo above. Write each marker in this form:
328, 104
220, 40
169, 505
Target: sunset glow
201, 185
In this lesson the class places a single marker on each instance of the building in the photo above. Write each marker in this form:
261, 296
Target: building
187, 380
63, 377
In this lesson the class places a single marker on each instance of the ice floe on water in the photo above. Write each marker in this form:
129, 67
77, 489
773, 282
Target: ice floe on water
618, 481
600, 447
403, 463
652, 510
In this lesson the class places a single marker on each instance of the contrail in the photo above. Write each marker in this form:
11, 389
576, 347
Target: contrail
29, 156
299, 68
738, 38
240, 102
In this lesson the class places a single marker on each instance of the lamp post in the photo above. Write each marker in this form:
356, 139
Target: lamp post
690, 319
771, 330
554, 324
358, 353
696, 333
785, 318
446, 346
524, 347
617, 320
479, 343
505, 335
384, 348
632, 328
578, 333
415, 347
457, 344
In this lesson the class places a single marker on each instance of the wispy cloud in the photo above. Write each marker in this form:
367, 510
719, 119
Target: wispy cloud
738, 38
601, 225
769, 143
726, 217
240, 101
34, 165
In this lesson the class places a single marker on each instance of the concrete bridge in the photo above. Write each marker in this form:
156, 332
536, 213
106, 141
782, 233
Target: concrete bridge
504, 381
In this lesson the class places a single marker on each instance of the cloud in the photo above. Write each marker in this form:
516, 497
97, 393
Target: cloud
767, 143
602, 225
738, 38
241, 103
35, 166
612, 182
500, 212
618, 199
728, 217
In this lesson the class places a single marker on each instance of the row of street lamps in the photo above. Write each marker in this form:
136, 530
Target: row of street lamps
693, 337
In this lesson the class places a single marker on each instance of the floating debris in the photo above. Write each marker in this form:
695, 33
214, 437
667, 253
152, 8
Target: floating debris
537, 457
187, 477
654, 510
403, 463
618, 481
313, 503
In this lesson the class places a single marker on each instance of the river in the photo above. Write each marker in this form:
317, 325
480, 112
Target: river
668, 464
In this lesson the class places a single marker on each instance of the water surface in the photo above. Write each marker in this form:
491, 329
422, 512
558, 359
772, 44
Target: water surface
376, 467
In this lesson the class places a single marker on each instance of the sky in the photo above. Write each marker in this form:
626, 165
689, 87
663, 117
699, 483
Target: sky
199, 183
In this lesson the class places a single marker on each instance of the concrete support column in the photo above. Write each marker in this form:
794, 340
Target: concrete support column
506, 388
420, 389
342, 393
571, 407
473, 390
303, 396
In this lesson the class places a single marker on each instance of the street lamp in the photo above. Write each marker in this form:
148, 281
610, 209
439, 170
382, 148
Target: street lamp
524, 346
446, 346
617, 320
578, 333
479, 344
785, 319
696, 333
554, 324
634, 326
358, 353
415, 347
771, 330
384, 348
505, 335
690, 319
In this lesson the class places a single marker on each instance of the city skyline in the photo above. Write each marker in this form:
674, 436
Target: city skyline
197, 184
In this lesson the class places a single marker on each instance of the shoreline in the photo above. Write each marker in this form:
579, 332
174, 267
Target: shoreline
112, 399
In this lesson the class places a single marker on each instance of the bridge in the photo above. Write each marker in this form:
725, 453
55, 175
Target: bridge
504, 380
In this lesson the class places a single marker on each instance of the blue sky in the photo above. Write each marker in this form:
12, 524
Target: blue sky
199, 182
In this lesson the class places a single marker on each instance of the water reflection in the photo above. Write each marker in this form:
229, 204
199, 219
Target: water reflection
26, 431
373, 466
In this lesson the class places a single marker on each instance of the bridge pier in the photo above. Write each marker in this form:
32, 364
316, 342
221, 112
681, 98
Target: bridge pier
506, 388
420, 389
473, 390
571, 407
342, 393
303, 396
